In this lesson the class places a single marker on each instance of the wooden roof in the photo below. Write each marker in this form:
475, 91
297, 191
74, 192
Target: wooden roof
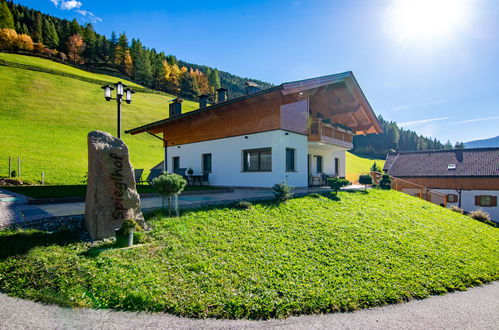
338, 95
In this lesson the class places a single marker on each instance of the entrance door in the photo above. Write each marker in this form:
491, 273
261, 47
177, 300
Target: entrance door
337, 166
176, 164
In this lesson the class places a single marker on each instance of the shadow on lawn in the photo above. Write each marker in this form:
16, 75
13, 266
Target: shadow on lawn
20, 243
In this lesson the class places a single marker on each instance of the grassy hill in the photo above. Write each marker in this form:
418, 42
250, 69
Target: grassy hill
357, 165
45, 119
310, 255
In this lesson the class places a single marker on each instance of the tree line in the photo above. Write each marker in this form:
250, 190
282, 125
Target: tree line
395, 138
23, 28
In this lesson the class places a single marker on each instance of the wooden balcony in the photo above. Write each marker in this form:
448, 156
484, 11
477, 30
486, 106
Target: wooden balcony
327, 133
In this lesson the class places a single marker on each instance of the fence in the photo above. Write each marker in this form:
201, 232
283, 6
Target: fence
413, 189
74, 76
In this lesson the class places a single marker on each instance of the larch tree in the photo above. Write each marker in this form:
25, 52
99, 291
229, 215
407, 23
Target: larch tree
6, 18
75, 48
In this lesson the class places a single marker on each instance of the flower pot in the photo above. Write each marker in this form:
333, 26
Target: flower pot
124, 239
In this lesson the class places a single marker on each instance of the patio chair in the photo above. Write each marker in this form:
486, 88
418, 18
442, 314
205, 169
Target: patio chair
137, 172
324, 178
153, 174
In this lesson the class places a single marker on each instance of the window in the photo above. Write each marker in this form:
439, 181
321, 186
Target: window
485, 200
337, 166
319, 164
452, 198
176, 163
290, 160
206, 163
257, 160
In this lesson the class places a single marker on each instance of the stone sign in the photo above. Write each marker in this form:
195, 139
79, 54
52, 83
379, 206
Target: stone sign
111, 192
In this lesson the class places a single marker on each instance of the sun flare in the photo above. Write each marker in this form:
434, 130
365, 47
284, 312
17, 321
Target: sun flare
407, 20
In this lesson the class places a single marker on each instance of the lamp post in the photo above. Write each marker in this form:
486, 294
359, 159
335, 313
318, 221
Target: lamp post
121, 90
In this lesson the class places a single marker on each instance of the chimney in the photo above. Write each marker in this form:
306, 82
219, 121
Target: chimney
203, 101
251, 87
176, 107
221, 95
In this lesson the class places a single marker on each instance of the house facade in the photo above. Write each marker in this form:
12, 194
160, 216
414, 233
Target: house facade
469, 177
292, 132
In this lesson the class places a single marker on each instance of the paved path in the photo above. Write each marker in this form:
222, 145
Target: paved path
15, 210
476, 308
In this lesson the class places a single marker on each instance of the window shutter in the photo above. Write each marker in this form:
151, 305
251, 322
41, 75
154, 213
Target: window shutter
493, 201
477, 200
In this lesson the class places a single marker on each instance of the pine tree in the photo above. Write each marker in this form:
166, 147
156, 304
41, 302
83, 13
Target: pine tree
37, 32
50, 36
214, 79
6, 18
89, 37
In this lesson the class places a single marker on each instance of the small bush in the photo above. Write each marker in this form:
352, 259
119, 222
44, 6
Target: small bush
169, 184
482, 216
385, 183
365, 180
337, 183
457, 209
282, 192
244, 205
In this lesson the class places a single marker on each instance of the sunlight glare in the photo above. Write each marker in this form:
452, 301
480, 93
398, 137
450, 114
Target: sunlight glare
407, 20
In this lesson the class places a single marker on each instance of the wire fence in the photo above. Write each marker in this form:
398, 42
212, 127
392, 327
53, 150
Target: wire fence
413, 189
75, 76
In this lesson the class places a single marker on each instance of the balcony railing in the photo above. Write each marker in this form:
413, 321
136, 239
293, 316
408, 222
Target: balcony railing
327, 133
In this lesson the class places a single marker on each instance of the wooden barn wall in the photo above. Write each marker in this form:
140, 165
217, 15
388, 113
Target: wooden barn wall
231, 120
491, 183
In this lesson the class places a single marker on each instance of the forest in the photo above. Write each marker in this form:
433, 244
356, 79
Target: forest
26, 29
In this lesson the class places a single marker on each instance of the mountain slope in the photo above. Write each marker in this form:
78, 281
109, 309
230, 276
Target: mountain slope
485, 143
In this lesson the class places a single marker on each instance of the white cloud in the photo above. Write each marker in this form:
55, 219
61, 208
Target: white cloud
75, 6
420, 122
475, 120
70, 5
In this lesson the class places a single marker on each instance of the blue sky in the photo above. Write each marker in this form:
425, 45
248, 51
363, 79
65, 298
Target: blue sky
432, 66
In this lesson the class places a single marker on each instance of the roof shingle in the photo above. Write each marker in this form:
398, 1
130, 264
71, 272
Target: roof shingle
469, 162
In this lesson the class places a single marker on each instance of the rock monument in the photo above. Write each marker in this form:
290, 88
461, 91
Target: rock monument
111, 192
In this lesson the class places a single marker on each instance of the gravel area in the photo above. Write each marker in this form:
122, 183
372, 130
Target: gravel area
473, 309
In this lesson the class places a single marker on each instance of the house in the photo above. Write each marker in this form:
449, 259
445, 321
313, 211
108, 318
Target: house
469, 177
291, 132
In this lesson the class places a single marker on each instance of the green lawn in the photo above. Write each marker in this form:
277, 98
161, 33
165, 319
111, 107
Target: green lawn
45, 120
47, 64
357, 165
311, 255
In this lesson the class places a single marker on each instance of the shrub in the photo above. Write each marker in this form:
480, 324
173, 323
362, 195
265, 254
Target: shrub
244, 205
375, 168
169, 184
457, 209
282, 192
365, 180
385, 182
337, 183
24, 42
482, 216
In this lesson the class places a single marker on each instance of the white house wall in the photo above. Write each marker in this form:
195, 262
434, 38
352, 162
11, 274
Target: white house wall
227, 165
468, 201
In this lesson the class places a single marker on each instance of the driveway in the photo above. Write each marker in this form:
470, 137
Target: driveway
476, 308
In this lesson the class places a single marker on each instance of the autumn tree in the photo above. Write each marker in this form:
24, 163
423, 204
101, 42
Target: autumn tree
75, 48
24, 42
8, 38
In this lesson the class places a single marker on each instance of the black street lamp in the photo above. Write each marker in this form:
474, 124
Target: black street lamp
121, 91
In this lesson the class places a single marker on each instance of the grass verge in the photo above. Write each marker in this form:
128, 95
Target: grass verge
310, 255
